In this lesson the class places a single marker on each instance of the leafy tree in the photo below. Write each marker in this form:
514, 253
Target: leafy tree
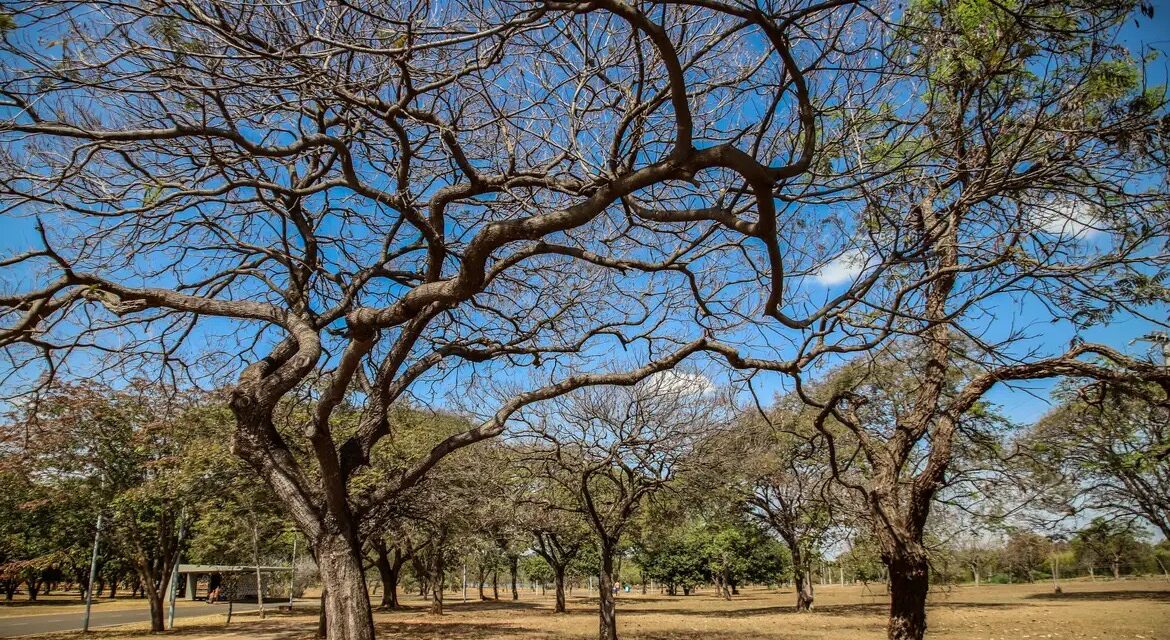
1026, 554
1108, 541
793, 492
1106, 449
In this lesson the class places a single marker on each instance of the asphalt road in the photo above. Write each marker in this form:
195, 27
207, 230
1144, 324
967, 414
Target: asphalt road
54, 622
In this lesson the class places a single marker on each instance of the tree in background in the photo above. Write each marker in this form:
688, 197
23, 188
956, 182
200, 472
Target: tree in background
147, 457
1106, 449
791, 487
606, 450
1111, 543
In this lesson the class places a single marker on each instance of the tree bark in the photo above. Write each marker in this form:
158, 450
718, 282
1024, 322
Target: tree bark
607, 628
514, 568
559, 580
802, 579
437, 583
909, 584
156, 609
347, 603
388, 574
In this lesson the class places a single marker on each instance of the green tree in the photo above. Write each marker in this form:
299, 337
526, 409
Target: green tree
1106, 449
1111, 542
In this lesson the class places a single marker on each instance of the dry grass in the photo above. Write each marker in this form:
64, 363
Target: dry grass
60, 603
1087, 610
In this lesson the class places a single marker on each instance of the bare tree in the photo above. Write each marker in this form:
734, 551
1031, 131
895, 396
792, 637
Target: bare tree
364, 204
608, 449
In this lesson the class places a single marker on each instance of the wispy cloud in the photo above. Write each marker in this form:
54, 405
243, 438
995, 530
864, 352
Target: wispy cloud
681, 382
1066, 218
844, 268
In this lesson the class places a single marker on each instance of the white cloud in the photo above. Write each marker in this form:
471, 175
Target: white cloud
844, 268
1066, 218
681, 382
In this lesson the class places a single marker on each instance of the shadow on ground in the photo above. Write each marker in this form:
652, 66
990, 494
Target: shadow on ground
73, 601
870, 609
434, 628
1108, 596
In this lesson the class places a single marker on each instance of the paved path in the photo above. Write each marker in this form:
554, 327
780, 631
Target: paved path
55, 622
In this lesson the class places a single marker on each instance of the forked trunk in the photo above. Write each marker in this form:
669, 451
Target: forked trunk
909, 584
347, 603
388, 574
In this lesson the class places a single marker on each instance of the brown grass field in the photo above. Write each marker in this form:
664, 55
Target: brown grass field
1086, 610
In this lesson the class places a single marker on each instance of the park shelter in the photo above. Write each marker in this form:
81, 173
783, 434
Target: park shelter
198, 578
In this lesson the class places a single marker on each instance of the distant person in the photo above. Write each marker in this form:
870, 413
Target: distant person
213, 596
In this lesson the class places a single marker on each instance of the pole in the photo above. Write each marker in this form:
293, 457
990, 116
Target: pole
465, 581
292, 573
175, 570
97, 534
256, 558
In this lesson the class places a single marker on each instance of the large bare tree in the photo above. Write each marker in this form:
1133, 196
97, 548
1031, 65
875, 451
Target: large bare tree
1009, 193
357, 205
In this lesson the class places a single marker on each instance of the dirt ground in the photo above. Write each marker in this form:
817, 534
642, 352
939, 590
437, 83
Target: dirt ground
1086, 610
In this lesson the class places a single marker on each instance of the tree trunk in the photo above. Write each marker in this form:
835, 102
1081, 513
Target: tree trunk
113, 589
559, 579
322, 627
802, 579
437, 583
495, 584
607, 628
347, 603
514, 568
909, 584
388, 574
156, 608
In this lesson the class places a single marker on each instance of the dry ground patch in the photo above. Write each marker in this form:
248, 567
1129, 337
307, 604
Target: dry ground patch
1087, 610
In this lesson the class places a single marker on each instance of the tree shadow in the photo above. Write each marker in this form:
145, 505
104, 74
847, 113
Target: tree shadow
60, 602
1163, 596
260, 629
489, 605
866, 609
436, 628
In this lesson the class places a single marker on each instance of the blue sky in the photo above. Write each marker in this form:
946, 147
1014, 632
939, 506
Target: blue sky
1022, 403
